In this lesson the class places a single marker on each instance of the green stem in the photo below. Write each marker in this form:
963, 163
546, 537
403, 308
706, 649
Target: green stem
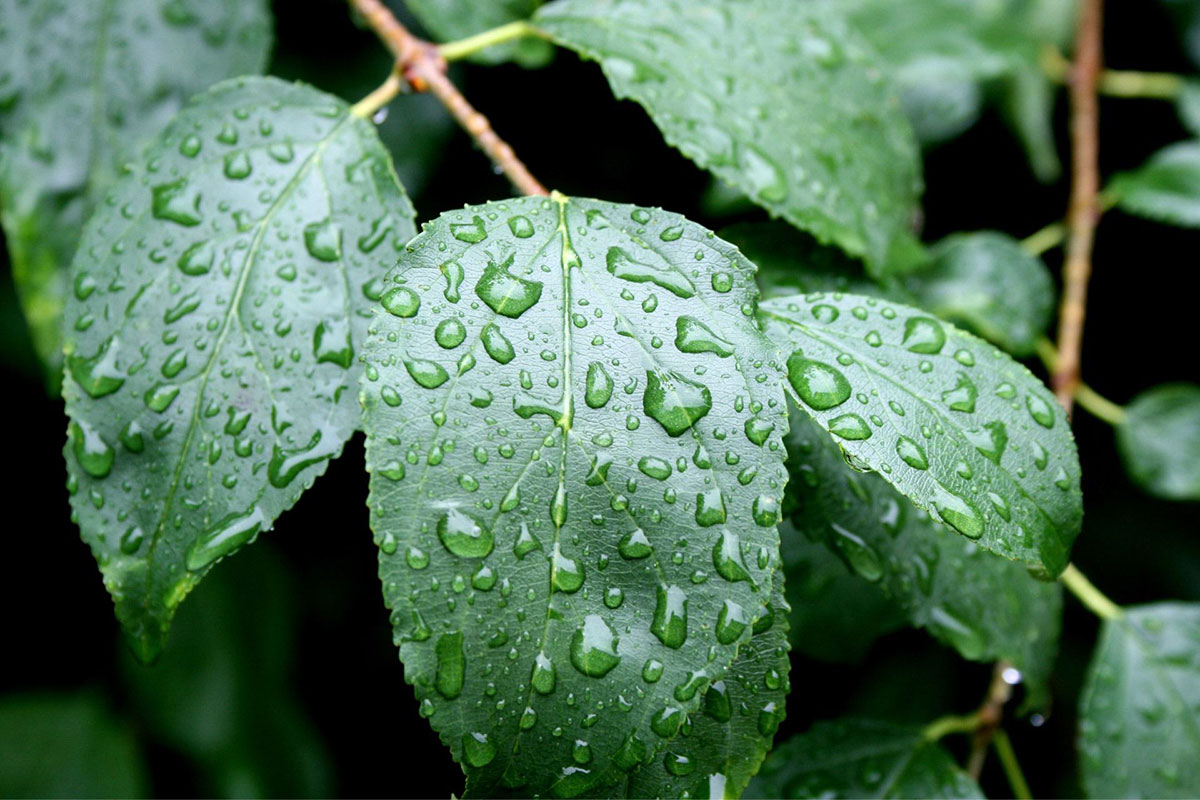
952, 723
465, 48
380, 97
1048, 237
1088, 594
1088, 398
1012, 769
1117, 82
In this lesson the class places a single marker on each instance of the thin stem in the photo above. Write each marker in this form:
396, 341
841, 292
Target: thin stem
991, 715
1047, 238
1088, 398
380, 97
420, 64
465, 48
1012, 768
1116, 82
1083, 210
953, 723
1088, 594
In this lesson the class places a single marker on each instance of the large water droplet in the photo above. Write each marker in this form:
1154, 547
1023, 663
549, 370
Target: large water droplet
450, 666
401, 301
924, 335
287, 463
463, 535
911, 453
331, 342
732, 620
567, 574
851, 427
962, 397
599, 386
477, 750
594, 647
861, 557
505, 293
175, 202
727, 557
693, 336
428, 374
710, 508
958, 513
634, 545
675, 402
670, 616
624, 266
819, 385
472, 232
226, 536
91, 451
1040, 410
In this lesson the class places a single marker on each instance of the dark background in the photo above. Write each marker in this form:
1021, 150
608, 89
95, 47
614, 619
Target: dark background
341, 668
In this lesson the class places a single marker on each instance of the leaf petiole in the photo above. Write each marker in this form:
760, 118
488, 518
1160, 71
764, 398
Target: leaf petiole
952, 723
1012, 768
380, 97
1089, 595
1117, 82
1088, 398
465, 48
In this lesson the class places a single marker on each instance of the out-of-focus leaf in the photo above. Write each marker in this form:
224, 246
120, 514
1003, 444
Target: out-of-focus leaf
1159, 441
859, 758
792, 262
1188, 105
222, 692
448, 20
988, 284
1187, 19
82, 85
1139, 734
782, 100
219, 303
1166, 188
66, 745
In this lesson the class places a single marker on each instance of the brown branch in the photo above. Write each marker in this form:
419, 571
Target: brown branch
1083, 211
991, 717
420, 64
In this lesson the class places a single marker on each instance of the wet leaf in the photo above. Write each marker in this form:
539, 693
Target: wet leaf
573, 432
82, 86
954, 424
853, 757
219, 301
1138, 735
449, 20
987, 608
1159, 441
1166, 188
792, 109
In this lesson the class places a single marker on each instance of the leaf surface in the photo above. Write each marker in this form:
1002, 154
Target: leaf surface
82, 86
782, 100
1139, 734
1159, 441
219, 300
573, 432
984, 606
954, 424
449, 20
852, 757
1166, 188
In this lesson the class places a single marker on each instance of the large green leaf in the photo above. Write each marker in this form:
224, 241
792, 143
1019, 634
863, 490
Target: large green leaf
1139, 713
722, 748
222, 692
988, 284
573, 432
457, 19
1166, 188
67, 745
1159, 441
82, 85
853, 757
781, 100
953, 423
986, 607
220, 297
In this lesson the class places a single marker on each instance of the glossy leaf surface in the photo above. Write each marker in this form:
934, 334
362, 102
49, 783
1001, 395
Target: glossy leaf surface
1159, 441
1138, 734
781, 100
574, 443
218, 304
82, 86
954, 424
853, 757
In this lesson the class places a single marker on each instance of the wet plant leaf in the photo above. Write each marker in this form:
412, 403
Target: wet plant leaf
554, 387
1166, 188
1159, 441
219, 301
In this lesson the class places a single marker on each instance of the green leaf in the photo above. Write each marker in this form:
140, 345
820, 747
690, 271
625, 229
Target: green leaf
835, 616
986, 607
726, 742
1138, 732
957, 426
988, 284
1188, 105
781, 100
82, 86
222, 692
791, 262
1159, 441
67, 745
220, 297
449, 20
853, 757
573, 432
1166, 188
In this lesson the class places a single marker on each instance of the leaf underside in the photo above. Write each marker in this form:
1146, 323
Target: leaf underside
781, 100
219, 300
573, 433
82, 86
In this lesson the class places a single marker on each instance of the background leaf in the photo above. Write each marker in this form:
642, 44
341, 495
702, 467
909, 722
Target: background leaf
1138, 734
218, 304
1166, 188
1159, 441
67, 745
82, 86
950, 421
853, 757
986, 607
553, 387
783, 101
449, 20
792, 262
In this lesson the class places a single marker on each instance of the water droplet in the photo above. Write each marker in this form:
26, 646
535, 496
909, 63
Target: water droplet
634, 545
766, 179
670, 616
237, 165
175, 202
962, 397
323, 240
819, 385
131, 437
666, 722
453, 273
990, 440
472, 232
861, 557
226, 536
331, 342
722, 282
131, 540
1040, 410
911, 453
624, 266
758, 430
675, 402
521, 227
598, 387
450, 333
710, 508
287, 463
505, 293
477, 750
544, 676
450, 666
594, 647
197, 259
732, 620
727, 557
401, 301
160, 396
851, 427
463, 535
428, 374
924, 335
567, 574
693, 336
91, 451
717, 703
958, 513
